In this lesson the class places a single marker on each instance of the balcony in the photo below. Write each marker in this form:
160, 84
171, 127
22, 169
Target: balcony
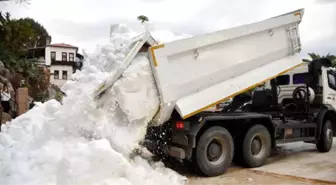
63, 63
73, 64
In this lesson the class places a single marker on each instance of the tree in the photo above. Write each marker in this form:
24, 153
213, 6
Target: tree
16, 36
40, 32
313, 56
19, 35
143, 18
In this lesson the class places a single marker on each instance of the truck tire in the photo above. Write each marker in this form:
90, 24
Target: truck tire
326, 138
214, 151
256, 146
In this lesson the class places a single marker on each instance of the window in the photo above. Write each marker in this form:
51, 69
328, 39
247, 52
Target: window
53, 56
56, 74
299, 78
332, 80
65, 75
71, 57
64, 56
282, 80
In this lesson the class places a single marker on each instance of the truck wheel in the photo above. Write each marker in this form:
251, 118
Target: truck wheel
214, 151
326, 139
256, 146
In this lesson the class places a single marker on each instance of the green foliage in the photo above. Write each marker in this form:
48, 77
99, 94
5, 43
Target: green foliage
16, 36
142, 18
56, 93
47, 95
59, 96
313, 56
41, 97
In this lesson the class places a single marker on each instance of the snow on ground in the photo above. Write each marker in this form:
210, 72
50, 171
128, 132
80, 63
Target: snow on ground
80, 143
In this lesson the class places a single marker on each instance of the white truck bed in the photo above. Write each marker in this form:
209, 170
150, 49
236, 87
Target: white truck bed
196, 73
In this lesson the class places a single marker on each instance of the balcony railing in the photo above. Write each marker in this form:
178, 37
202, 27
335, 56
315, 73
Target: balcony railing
60, 62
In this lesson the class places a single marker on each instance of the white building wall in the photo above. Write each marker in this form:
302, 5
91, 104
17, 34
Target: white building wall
58, 51
60, 68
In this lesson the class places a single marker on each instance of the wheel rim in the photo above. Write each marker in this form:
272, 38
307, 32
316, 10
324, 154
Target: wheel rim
329, 135
257, 146
216, 152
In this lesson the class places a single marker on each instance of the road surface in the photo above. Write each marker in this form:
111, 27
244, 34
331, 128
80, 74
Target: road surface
295, 163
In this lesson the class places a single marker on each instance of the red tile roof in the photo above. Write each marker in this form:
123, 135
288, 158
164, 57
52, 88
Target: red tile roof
63, 45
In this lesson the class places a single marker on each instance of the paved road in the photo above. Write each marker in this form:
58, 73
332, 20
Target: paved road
303, 160
247, 177
296, 163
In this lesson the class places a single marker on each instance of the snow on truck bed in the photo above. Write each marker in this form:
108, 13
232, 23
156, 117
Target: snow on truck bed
77, 143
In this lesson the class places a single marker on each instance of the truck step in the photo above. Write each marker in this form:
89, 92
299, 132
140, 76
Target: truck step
295, 140
299, 125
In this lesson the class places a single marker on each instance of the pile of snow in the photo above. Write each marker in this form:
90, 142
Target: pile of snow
84, 141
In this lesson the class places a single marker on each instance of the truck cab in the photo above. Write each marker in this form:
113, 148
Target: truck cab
288, 82
325, 87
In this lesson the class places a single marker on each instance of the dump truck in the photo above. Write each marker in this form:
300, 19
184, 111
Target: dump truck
196, 73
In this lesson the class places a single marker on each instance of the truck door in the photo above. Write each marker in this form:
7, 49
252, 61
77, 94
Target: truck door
329, 86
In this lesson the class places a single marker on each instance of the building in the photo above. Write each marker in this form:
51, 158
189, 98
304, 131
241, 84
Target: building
60, 59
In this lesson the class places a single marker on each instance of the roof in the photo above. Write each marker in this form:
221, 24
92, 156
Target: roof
62, 45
